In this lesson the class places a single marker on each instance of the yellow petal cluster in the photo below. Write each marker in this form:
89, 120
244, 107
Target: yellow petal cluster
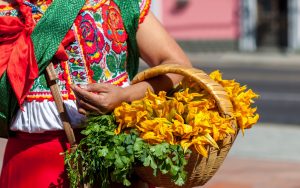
189, 117
241, 98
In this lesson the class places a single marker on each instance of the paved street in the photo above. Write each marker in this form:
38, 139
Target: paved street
246, 173
267, 156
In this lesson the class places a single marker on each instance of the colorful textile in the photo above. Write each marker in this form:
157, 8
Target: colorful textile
98, 55
84, 65
24, 44
21, 51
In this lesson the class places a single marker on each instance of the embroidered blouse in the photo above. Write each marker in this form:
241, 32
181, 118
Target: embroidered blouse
97, 55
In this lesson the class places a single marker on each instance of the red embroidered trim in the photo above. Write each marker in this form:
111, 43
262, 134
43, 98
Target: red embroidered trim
144, 10
6, 7
119, 80
42, 96
67, 77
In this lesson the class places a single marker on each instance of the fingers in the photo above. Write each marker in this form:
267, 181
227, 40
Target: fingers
86, 113
88, 102
98, 87
82, 111
88, 108
100, 98
83, 94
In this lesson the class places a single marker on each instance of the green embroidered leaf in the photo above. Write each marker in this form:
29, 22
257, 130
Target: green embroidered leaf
97, 17
97, 72
111, 63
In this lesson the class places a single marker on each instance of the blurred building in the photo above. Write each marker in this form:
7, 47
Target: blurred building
245, 25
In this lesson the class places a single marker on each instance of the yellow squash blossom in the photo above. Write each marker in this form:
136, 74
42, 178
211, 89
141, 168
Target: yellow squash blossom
189, 117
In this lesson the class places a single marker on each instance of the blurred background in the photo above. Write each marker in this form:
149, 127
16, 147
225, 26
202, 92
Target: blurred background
256, 42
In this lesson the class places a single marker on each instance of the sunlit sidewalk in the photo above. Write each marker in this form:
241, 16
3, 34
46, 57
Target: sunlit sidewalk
267, 156
252, 173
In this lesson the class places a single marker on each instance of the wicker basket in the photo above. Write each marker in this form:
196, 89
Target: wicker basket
199, 168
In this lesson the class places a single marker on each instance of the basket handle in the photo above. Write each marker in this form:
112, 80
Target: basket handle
197, 75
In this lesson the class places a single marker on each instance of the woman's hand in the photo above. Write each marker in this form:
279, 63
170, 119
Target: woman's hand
99, 98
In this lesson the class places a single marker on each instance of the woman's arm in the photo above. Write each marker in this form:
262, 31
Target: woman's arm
156, 47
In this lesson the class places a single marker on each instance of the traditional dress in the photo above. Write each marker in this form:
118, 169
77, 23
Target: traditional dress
97, 53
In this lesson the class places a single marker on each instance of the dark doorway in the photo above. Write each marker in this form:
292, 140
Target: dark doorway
272, 28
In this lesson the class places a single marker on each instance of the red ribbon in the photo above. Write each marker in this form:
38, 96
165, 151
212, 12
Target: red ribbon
17, 52
17, 55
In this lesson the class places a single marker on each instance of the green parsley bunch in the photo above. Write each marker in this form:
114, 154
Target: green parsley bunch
103, 157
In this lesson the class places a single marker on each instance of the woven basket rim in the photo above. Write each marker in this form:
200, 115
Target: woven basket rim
197, 75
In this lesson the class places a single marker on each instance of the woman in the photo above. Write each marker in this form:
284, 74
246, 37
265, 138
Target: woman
91, 64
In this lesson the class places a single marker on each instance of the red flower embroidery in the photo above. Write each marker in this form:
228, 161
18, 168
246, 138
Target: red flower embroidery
113, 27
76, 61
91, 39
79, 75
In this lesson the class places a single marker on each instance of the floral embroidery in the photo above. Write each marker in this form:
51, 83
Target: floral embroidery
122, 78
107, 24
78, 74
91, 38
77, 63
113, 27
98, 53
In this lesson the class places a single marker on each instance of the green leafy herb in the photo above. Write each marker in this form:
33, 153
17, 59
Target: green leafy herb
102, 156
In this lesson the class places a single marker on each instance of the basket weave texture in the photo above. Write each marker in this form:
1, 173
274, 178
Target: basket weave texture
199, 168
